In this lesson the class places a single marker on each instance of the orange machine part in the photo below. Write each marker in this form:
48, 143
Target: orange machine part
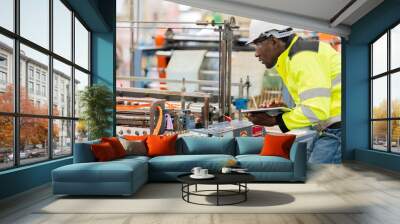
159, 121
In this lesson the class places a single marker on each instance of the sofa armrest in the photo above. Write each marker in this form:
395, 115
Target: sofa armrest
83, 152
298, 155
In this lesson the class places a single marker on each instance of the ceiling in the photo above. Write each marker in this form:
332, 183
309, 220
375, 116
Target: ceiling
329, 16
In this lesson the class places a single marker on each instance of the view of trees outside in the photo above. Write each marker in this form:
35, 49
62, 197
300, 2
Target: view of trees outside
379, 128
395, 95
382, 138
81, 131
6, 141
62, 143
33, 131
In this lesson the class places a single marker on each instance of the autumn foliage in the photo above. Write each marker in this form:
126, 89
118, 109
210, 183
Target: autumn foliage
33, 131
380, 127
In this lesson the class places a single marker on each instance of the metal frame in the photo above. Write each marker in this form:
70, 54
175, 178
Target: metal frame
16, 114
242, 191
388, 74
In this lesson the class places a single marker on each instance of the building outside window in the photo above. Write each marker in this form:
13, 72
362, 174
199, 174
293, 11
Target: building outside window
30, 72
44, 77
3, 61
385, 96
55, 96
3, 81
56, 131
30, 87
38, 89
43, 90
3, 78
3, 72
37, 74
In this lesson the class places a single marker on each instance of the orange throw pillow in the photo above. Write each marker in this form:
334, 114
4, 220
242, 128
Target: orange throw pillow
103, 152
116, 145
277, 145
159, 145
135, 137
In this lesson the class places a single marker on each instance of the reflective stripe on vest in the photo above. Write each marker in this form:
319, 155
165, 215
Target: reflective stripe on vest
316, 92
309, 114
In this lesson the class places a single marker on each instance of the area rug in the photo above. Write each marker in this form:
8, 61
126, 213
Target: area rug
166, 198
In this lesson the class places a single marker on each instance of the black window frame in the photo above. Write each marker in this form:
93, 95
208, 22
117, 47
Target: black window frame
388, 74
16, 114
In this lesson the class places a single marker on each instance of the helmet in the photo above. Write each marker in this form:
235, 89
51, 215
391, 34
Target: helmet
260, 30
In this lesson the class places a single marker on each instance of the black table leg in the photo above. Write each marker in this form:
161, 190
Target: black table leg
188, 190
217, 194
245, 193
242, 191
182, 190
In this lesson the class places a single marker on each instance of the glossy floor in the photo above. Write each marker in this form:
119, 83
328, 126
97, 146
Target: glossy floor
377, 188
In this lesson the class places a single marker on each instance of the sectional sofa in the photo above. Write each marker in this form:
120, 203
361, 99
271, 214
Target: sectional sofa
125, 176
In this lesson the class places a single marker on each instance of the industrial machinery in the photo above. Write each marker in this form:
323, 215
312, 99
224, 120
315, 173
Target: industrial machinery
215, 96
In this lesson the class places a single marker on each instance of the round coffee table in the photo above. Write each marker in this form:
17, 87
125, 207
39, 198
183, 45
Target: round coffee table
238, 179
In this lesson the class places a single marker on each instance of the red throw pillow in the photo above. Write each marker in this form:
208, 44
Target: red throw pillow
116, 145
103, 152
277, 145
159, 145
135, 137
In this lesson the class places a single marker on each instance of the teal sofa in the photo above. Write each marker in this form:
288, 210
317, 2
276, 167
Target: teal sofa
125, 176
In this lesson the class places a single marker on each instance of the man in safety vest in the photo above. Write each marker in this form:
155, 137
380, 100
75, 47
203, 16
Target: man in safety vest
311, 71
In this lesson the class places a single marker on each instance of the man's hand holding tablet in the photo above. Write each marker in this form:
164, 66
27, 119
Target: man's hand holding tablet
266, 115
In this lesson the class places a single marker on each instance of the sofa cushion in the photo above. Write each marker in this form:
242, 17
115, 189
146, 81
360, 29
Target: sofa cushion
135, 137
116, 145
112, 171
185, 163
257, 163
249, 145
83, 152
277, 145
190, 145
103, 152
134, 147
161, 145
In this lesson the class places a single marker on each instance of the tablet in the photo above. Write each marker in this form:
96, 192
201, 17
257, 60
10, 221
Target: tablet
271, 111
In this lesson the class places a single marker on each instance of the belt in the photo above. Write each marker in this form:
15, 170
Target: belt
330, 123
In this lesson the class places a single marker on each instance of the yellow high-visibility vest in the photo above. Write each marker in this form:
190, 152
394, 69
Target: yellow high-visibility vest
311, 71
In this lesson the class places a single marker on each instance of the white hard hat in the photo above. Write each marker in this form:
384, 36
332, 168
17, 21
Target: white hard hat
260, 29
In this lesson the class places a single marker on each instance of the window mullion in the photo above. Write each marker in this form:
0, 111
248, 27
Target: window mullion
371, 140
389, 101
50, 81
16, 84
73, 81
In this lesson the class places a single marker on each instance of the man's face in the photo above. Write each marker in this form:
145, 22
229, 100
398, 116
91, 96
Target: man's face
267, 52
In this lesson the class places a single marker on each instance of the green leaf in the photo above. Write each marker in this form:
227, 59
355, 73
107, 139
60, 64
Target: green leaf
97, 103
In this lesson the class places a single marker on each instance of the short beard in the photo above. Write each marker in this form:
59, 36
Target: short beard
273, 64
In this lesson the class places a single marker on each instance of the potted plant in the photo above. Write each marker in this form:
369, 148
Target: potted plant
96, 103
